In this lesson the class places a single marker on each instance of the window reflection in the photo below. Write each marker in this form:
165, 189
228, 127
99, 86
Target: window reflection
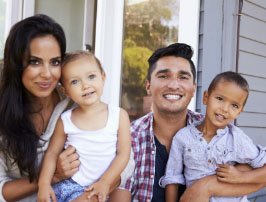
149, 24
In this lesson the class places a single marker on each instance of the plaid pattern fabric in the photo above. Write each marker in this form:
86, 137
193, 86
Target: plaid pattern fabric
143, 144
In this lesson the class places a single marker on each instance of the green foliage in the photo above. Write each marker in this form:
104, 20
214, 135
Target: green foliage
147, 27
134, 75
146, 23
135, 68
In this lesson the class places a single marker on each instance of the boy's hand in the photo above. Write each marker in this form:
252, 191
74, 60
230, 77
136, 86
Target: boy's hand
229, 174
101, 189
46, 194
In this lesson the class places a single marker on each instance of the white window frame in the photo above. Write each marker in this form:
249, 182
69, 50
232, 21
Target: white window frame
189, 31
109, 38
17, 10
13, 14
28, 8
108, 45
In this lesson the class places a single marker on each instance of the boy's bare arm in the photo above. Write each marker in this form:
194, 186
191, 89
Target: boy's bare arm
171, 192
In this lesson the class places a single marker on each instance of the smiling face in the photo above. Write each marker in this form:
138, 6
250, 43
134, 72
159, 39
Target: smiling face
224, 103
171, 85
43, 69
83, 81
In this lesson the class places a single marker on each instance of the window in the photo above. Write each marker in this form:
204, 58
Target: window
149, 25
2, 27
124, 35
71, 22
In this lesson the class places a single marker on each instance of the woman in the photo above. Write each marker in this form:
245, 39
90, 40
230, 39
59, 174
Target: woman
30, 105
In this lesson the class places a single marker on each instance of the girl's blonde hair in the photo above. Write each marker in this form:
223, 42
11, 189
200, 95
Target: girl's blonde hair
72, 56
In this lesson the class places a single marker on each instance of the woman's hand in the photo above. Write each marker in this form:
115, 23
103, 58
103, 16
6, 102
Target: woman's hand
67, 164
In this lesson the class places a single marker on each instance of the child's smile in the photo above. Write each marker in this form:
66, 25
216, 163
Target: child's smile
224, 103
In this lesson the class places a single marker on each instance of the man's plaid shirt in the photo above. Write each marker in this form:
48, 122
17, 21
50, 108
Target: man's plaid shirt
143, 145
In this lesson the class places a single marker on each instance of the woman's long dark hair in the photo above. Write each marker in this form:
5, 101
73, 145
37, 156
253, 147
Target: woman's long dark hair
19, 138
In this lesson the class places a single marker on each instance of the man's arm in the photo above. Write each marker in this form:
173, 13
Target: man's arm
209, 186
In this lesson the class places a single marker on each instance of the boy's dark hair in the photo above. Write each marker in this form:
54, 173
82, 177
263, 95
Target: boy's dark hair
230, 76
178, 50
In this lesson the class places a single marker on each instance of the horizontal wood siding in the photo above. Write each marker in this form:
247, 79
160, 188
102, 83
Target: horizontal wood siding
257, 134
247, 119
252, 65
200, 59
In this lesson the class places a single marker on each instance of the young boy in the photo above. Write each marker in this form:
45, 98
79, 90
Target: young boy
200, 149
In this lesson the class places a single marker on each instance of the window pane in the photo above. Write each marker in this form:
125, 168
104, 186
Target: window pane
72, 22
77, 20
2, 28
149, 24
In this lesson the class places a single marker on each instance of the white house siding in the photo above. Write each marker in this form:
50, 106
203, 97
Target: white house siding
210, 37
199, 91
252, 65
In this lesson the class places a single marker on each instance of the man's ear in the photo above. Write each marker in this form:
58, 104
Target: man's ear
147, 86
205, 97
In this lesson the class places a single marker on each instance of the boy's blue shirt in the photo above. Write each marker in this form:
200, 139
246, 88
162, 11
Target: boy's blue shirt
198, 158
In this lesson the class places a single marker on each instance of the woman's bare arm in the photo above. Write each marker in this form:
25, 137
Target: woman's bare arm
18, 189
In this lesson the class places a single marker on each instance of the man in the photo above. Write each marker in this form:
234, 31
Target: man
171, 85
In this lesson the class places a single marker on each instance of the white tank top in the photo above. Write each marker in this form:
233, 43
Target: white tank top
96, 149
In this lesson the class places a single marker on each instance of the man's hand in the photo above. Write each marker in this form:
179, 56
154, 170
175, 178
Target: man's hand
67, 164
229, 174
